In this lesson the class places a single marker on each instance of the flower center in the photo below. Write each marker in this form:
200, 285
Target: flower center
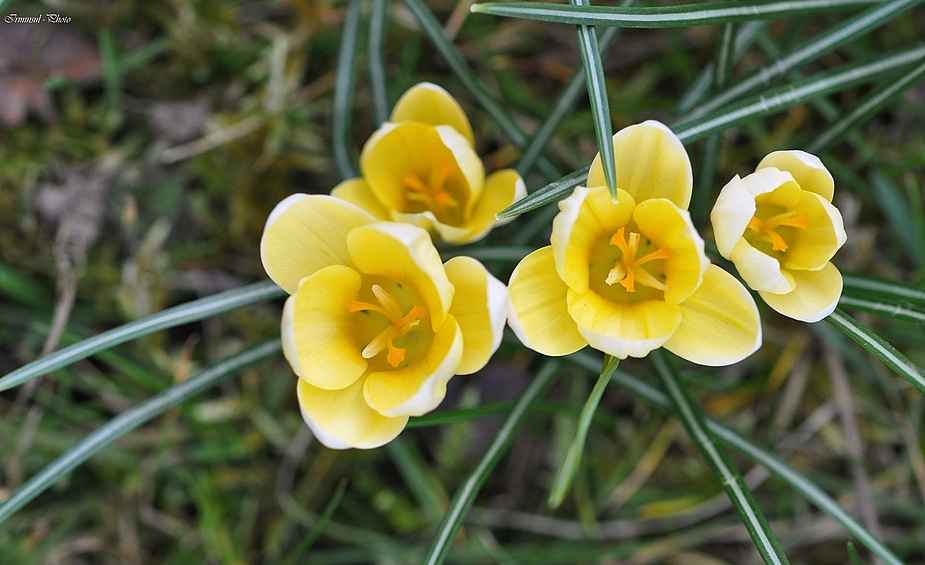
766, 228
399, 324
432, 193
627, 270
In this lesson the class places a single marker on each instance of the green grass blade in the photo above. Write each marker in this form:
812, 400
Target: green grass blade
600, 106
720, 463
552, 192
665, 16
565, 474
378, 18
872, 104
880, 348
865, 286
812, 87
466, 494
899, 213
757, 454
902, 312
464, 73
299, 552
824, 43
412, 470
344, 81
172, 317
505, 253
131, 419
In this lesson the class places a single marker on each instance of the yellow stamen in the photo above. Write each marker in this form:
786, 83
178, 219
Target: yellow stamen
765, 228
399, 324
627, 269
434, 193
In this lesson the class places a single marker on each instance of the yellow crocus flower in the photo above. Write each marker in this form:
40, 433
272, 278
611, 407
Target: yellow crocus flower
376, 324
630, 276
420, 167
780, 229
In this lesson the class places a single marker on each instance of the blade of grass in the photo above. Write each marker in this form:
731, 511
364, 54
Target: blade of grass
898, 213
506, 253
378, 18
318, 528
565, 474
860, 113
344, 81
172, 317
865, 286
413, 472
597, 95
720, 463
880, 348
823, 43
902, 312
773, 101
464, 73
466, 494
131, 419
683, 15
757, 454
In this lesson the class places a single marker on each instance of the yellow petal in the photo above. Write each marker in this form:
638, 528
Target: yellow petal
318, 330
630, 329
502, 188
651, 163
807, 170
305, 233
669, 227
734, 207
719, 322
341, 419
812, 248
815, 296
480, 308
586, 218
357, 191
538, 311
421, 386
759, 270
414, 150
404, 254
426, 102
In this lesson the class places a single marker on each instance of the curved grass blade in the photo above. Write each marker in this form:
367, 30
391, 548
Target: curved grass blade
465, 75
865, 109
466, 494
757, 454
565, 474
823, 43
683, 15
720, 463
774, 101
552, 192
344, 81
378, 17
863, 286
902, 312
172, 317
597, 94
785, 97
880, 348
131, 419
306, 543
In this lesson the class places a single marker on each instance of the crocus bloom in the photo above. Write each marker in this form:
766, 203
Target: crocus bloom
780, 229
631, 276
376, 324
421, 167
